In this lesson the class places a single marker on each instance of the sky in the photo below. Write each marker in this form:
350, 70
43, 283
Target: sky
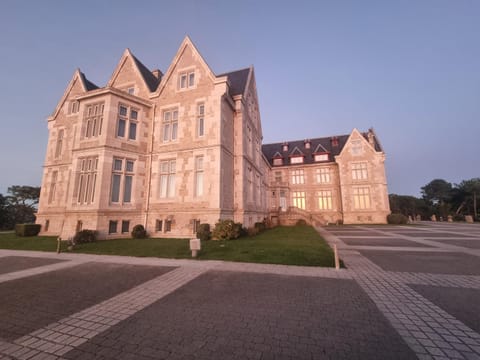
409, 69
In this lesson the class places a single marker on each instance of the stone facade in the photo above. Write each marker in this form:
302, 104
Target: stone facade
170, 151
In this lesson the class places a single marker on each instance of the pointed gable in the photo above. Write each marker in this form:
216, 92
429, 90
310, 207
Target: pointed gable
130, 72
79, 84
320, 149
187, 57
296, 152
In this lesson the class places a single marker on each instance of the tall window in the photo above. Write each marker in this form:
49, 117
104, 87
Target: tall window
186, 80
322, 175
53, 187
127, 122
278, 176
170, 125
112, 226
361, 198
122, 180
58, 147
359, 171
199, 176
200, 120
298, 198
167, 179
86, 180
125, 226
298, 177
324, 200
93, 120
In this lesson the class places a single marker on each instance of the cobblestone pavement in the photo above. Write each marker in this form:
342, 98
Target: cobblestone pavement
416, 296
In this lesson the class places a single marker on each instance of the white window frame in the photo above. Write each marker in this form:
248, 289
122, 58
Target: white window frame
131, 122
87, 178
187, 80
361, 198
359, 171
167, 179
298, 177
201, 120
323, 176
123, 170
170, 125
299, 199
325, 200
199, 176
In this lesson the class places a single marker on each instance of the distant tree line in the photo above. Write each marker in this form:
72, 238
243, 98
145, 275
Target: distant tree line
18, 206
441, 198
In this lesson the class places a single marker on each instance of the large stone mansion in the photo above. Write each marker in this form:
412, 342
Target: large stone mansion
170, 151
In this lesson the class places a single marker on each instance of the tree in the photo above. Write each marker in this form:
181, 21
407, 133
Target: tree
466, 194
438, 193
19, 206
409, 205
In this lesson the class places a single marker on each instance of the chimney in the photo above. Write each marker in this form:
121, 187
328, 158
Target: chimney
371, 137
307, 143
334, 141
157, 73
285, 146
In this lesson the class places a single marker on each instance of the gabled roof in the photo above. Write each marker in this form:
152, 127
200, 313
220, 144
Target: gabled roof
296, 151
238, 80
87, 83
150, 79
317, 145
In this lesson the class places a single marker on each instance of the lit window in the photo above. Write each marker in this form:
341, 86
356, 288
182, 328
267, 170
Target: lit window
298, 177
359, 171
278, 161
298, 198
170, 125
324, 200
361, 198
322, 175
86, 180
296, 160
321, 157
167, 178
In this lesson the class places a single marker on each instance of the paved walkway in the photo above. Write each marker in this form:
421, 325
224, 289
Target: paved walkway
408, 292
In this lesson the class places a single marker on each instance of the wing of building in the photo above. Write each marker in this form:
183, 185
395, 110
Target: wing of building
170, 151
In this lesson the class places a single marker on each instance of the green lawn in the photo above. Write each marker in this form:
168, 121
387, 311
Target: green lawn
299, 245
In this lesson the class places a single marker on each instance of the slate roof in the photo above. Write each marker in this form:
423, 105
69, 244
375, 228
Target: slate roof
150, 79
273, 150
90, 85
238, 80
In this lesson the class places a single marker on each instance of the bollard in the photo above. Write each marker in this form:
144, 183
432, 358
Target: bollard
337, 261
59, 243
195, 246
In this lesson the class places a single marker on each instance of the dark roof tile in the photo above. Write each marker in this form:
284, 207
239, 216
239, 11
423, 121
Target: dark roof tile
150, 79
238, 80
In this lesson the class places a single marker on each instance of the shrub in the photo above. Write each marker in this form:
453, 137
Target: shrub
85, 236
458, 217
27, 229
139, 232
225, 230
203, 232
260, 226
301, 222
238, 229
397, 219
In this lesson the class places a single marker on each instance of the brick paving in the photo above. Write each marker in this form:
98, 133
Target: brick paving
416, 296
10, 264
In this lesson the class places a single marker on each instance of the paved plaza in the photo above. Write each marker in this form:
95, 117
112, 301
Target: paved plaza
408, 292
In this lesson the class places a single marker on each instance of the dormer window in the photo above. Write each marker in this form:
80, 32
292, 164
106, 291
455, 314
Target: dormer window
296, 160
321, 157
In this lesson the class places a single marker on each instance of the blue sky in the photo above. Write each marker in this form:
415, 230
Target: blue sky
409, 69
